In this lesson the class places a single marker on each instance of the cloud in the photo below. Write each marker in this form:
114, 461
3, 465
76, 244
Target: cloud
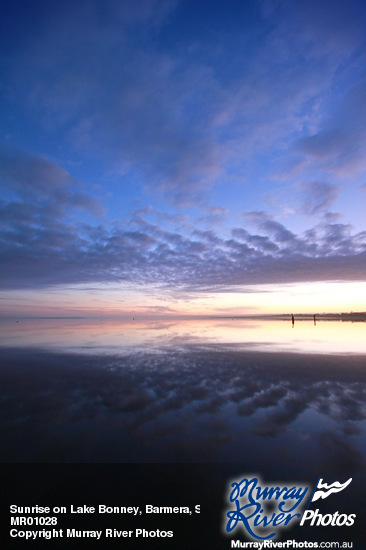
41, 246
317, 196
39, 182
337, 145
121, 100
214, 216
179, 116
324, 144
275, 229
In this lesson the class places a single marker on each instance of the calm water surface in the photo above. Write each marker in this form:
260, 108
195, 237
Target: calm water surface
273, 397
126, 336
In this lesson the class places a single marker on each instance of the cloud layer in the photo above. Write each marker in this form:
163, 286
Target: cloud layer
41, 243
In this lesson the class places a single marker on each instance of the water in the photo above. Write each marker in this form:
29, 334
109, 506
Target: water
221, 390
128, 336
225, 397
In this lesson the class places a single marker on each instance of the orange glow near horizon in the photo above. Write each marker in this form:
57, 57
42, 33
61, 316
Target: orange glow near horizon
118, 336
319, 297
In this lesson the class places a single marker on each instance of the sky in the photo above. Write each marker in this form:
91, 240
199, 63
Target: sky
167, 157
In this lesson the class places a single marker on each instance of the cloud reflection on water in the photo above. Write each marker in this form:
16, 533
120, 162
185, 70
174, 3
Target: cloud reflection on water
125, 336
187, 406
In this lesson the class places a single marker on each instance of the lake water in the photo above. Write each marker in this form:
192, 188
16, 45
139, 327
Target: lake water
231, 394
184, 391
125, 336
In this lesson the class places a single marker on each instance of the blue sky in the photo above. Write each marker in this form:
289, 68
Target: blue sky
193, 156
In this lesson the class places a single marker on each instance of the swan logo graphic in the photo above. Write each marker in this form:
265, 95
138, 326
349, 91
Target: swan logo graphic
322, 490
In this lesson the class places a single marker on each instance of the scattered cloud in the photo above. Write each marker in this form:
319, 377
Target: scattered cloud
42, 184
175, 118
41, 245
317, 196
214, 216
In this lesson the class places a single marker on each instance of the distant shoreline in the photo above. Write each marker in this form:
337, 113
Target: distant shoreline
353, 316
350, 317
